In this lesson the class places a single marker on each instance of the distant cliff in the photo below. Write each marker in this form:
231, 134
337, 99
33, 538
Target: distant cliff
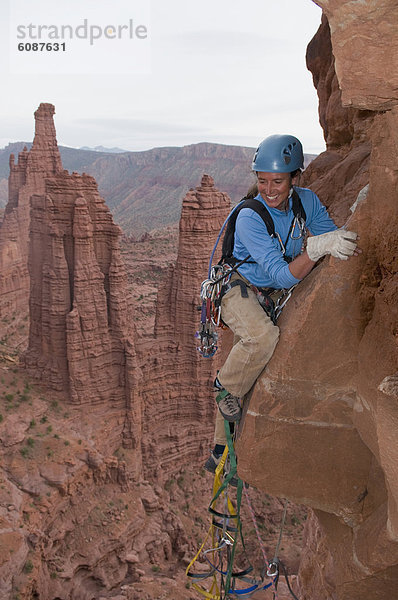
144, 189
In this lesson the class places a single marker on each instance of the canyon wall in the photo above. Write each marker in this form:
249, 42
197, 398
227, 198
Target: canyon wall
91, 455
321, 425
82, 342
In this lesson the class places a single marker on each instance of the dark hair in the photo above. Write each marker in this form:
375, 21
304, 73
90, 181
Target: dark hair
252, 191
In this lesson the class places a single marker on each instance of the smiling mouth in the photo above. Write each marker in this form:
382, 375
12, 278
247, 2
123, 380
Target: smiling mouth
272, 197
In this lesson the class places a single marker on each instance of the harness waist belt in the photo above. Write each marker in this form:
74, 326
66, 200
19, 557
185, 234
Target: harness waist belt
266, 291
243, 287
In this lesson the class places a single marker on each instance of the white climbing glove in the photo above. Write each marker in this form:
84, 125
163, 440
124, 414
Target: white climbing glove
340, 243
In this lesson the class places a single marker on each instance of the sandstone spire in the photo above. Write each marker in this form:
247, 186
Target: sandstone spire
44, 154
80, 338
26, 178
178, 402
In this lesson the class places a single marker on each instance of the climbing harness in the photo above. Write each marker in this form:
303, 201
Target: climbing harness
218, 282
225, 535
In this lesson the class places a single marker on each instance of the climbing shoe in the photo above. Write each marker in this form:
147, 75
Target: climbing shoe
234, 480
229, 406
212, 462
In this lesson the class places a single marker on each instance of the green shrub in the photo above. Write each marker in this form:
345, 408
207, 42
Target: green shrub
28, 566
169, 484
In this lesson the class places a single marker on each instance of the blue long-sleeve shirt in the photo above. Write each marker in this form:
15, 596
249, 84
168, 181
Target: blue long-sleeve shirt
251, 237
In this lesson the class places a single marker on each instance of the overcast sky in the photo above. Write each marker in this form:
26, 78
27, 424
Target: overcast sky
223, 71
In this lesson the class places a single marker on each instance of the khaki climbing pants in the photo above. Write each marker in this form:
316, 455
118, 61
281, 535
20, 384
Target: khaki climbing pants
255, 339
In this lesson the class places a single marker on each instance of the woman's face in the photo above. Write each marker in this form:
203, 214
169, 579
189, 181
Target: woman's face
274, 188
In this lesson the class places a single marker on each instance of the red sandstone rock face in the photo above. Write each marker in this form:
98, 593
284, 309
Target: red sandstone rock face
74, 521
338, 174
82, 345
81, 336
325, 408
361, 34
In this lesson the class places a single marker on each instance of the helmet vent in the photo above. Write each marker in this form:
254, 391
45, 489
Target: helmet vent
287, 152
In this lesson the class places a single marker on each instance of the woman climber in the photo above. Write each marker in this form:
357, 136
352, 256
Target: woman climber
269, 265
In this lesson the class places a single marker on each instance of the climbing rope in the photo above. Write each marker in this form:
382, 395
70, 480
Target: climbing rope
253, 516
273, 568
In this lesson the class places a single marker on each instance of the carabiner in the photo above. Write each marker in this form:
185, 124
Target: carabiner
273, 568
301, 225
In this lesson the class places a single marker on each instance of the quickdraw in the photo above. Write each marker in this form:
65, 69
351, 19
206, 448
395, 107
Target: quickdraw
210, 318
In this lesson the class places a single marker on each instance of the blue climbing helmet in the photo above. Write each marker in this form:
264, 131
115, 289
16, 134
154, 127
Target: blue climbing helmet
278, 154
